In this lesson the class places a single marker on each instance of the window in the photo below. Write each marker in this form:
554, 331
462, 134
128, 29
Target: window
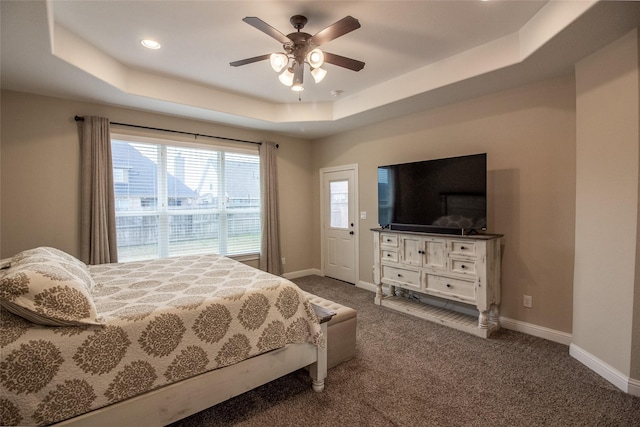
179, 200
339, 199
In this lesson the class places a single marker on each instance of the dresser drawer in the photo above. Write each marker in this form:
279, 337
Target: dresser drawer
453, 287
390, 240
464, 266
389, 255
406, 278
466, 248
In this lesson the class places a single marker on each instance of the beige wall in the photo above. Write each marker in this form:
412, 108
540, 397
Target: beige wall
554, 214
608, 150
528, 134
40, 173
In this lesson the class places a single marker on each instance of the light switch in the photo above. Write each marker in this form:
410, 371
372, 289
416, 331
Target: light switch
363, 215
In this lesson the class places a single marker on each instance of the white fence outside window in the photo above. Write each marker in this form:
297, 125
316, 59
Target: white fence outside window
177, 200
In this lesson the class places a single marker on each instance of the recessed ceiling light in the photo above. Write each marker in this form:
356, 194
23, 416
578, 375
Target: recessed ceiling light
150, 44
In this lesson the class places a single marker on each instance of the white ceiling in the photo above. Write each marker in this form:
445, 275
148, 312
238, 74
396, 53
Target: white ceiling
418, 54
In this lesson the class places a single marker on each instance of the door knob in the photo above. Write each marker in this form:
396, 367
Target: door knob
351, 232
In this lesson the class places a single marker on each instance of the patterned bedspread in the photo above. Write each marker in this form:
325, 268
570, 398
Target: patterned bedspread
165, 320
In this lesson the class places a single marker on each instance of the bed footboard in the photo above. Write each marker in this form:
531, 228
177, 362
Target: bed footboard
179, 400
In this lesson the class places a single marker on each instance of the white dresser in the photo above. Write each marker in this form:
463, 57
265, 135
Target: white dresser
465, 269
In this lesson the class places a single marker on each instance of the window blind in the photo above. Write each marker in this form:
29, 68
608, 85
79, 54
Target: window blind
179, 200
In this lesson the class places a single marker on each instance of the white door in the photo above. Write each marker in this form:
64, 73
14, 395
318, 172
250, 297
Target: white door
339, 227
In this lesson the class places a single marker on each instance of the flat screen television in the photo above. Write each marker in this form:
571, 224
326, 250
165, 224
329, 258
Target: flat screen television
439, 196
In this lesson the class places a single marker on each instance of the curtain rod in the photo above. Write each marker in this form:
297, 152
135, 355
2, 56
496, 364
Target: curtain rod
81, 119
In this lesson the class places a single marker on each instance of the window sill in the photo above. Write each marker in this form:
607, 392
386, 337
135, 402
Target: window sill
246, 257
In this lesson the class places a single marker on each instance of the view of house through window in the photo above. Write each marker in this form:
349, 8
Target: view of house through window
179, 200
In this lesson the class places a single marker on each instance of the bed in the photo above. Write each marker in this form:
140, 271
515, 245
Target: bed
145, 342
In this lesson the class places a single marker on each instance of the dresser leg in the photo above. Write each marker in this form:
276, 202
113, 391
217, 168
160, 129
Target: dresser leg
379, 294
494, 314
483, 321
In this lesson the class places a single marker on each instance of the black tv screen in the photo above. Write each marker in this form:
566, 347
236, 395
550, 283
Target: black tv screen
443, 195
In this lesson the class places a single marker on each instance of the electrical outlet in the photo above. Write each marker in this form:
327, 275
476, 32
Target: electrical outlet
284, 260
527, 301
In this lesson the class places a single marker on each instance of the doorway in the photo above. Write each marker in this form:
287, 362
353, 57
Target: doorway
339, 240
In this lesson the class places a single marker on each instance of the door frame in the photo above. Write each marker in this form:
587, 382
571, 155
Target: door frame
356, 222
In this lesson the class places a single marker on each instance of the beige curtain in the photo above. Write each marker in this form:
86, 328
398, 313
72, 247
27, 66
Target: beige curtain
270, 260
98, 217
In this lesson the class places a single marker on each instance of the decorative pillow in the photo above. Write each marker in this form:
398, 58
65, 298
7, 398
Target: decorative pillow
69, 263
48, 287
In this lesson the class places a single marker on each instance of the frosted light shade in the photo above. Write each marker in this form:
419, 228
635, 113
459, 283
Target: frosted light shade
286, 77
318, 74
315, 58
278, 61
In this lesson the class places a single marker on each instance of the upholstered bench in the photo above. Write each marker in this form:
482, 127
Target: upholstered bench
341, 330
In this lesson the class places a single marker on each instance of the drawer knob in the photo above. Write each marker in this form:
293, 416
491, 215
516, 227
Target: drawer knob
448, 285
388, 254
463, 266
462, 248
399, 275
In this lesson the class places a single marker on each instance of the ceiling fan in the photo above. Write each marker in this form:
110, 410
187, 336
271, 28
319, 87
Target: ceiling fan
300, 47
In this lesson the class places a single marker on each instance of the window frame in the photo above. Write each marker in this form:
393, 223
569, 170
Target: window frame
221, 147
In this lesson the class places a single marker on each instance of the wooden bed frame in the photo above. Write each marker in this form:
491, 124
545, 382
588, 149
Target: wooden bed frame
175, 401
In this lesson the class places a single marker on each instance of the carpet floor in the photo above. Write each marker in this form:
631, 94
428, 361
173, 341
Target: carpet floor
412, 372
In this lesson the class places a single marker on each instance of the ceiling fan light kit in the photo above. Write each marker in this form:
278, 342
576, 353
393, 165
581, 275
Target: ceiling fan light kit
286, 77
315, 58
300, 48
298, 77
318, 74
278, 61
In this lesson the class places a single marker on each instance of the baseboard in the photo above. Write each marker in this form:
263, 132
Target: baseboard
302, 273
367, 286
536, 331
634, 387
609, 373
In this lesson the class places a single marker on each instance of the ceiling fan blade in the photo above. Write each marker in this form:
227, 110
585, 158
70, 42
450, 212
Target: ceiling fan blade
342, 61
340, 28
250, 60
267, 29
